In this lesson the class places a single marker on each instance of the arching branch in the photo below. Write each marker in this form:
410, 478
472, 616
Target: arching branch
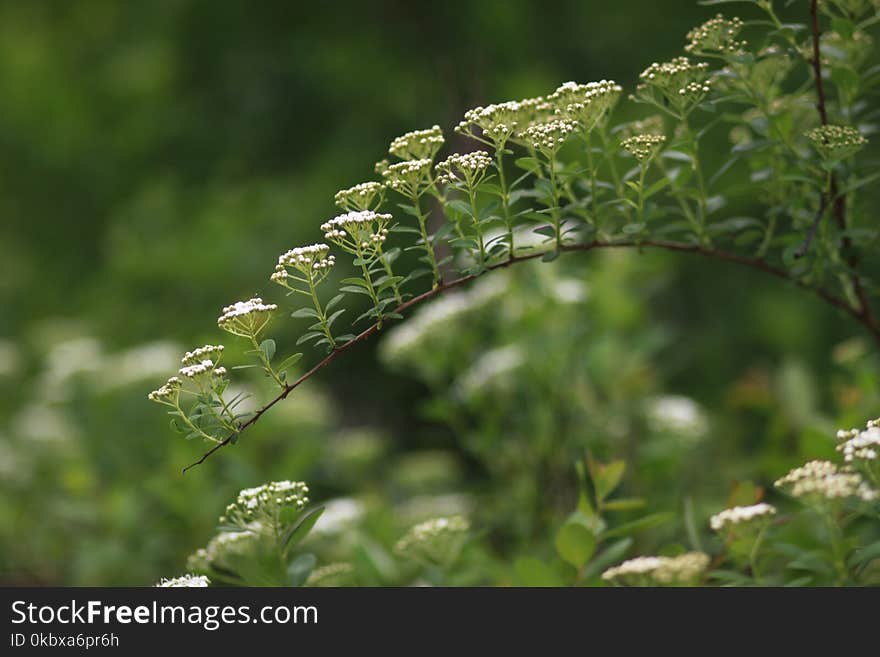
755, 263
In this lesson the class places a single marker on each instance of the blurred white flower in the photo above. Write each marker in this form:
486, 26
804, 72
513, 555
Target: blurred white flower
653, 571
141, 362
66, 360
490, 368
422, 507
678, 415
339, 515
403, 338
569, 290
740, 515
43, 423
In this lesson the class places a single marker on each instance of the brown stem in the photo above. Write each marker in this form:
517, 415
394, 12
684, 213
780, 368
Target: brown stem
803, 248
755, 263
838, 210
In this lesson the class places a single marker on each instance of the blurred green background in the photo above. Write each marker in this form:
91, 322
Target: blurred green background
155, 158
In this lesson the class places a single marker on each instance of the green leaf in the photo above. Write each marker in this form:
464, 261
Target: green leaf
268, 348
311, 313
300, 530
847, 81
548, 231
863, 555
527, 163
583, 505
334, 316
389, 281
611, 555
843, 26
646, 522
534, 572
409, 209
491, 188
300, 568
311, 335
333, 302
460, 207
356, 281
606, 477
575, 543
624, 504
289, 362
354, 289
657, 186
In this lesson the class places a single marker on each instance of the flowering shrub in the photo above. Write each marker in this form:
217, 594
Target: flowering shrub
558, 174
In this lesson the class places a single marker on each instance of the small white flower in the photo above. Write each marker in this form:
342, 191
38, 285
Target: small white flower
418, 144
363, 196
246, 318
185, 580
468, 167
437, 541
823, 480
643, 147
253, 503
641, 571
860, 445
550, 136
741, 515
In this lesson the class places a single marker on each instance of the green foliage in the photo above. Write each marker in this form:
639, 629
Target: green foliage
447, 460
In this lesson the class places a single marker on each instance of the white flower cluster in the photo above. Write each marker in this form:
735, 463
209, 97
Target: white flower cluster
501, 121
717, 35
358, 230
587, 103
548, 137
408, 177
643, 147
171, 388
644, 571
333, 574
651, 125
437, 541
185, 580
246, 318
680, 82
835, 142
740, 515
312, 261
208, 352
360, 197
862, 445
695, 89
254, 503
469, 167
418, 144
823, 480
197, 369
